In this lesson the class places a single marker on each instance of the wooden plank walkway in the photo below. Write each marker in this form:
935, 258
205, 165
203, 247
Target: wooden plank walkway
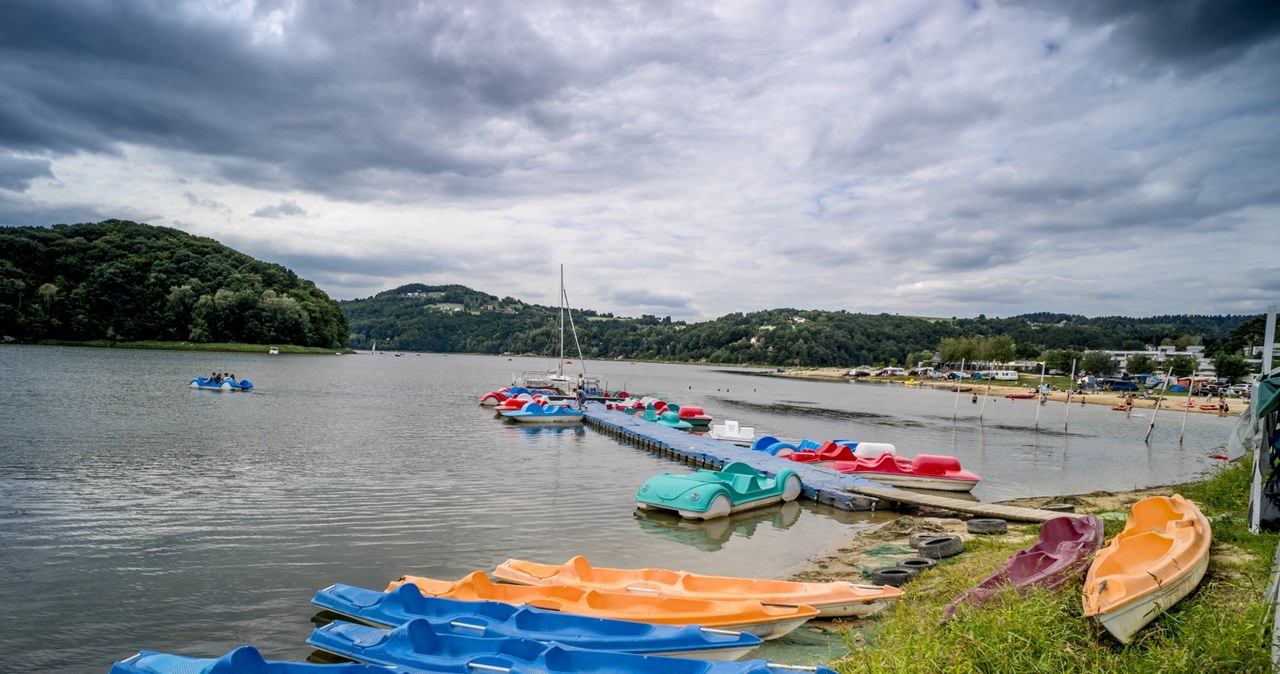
1005, 512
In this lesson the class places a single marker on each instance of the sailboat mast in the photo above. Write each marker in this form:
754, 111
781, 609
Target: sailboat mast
560, 360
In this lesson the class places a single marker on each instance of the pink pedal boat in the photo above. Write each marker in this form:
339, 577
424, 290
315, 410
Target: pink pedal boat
926, 471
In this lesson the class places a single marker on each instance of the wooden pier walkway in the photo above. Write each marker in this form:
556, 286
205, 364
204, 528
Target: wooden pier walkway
847, 492
1005, 512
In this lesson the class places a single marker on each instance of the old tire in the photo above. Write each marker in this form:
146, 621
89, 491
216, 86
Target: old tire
987, 525
915, 538
939, 547
918, 563
892, 575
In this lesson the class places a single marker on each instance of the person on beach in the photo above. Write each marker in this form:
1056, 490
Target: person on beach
975, 398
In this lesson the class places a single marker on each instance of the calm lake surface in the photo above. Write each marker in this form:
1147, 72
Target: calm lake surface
136, 513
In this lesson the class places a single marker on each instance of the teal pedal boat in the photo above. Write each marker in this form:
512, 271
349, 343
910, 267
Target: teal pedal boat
708, 494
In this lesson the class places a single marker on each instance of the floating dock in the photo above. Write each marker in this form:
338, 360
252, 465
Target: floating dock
847, 492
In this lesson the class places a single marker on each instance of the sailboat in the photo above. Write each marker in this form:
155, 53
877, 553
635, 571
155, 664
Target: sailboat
556, 379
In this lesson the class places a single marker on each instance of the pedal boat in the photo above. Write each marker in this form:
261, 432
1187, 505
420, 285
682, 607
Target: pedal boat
496, 619
836, 599
1159, 558
766, 621
533, 413
925, 471
708, 494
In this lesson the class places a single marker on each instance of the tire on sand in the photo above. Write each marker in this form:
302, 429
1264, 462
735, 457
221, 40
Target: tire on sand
915, 538
918, 563
939, 547
987, 525
892, 575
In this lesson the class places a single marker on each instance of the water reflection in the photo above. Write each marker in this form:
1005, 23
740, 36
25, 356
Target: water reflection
711, 535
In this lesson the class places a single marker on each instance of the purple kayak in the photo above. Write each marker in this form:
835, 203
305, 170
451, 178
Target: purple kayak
1065, 548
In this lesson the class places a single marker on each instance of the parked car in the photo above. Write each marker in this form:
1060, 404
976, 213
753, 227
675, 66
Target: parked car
1119, 385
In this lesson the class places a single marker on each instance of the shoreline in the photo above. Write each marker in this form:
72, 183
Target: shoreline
882, 543
1176, 402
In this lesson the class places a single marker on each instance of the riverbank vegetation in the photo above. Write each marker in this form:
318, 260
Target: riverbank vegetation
233, 347
121, 281
453, 319
1221, 627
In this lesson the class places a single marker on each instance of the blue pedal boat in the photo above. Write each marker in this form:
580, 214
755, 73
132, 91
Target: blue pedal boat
243, 660
416, 644
492, 618
533, 413
708, 494
209, 384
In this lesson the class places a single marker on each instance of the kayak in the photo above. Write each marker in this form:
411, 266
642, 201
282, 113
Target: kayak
491, 618
418, 645
243, 660
837, 599
763, 620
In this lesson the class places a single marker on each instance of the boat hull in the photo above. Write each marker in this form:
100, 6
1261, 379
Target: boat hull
917, 482
1159, 558
833, 599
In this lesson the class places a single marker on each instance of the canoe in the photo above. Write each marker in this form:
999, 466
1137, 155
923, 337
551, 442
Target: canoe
492, 618
708, 494
763, 620
925, 471
243, 660
1159, 558
533, 413
418, 645
837, 599
1063, 551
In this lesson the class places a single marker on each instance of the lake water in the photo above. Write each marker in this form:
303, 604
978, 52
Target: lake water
136, 513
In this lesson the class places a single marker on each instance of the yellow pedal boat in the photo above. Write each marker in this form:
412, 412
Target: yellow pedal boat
1159, 558
833, 599
767, 621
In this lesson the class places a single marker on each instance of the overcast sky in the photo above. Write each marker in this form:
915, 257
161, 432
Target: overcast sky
683, 159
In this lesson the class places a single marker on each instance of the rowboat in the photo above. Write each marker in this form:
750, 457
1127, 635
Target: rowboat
243, 660
708, 494
1063, 551
1159, 558
496, 619
763, 620
533, 413
419, 646
925, 471
837, 599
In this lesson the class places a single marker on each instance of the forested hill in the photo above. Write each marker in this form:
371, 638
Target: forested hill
456, 319
126, 281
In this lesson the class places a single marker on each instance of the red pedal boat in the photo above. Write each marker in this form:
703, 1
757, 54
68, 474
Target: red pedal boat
926, 471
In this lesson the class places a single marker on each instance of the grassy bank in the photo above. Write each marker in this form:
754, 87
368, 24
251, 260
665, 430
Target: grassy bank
233, 347
1221, 627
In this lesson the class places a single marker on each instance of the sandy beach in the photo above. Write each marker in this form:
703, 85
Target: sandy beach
1002, 389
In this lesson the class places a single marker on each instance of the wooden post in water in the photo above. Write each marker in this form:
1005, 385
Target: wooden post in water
1039, 392
1071, 388
984, 402
1159, 401
1186, 409
956, 411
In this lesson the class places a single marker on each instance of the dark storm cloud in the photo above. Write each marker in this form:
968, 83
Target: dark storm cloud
1189, 35
344, 88
16, 173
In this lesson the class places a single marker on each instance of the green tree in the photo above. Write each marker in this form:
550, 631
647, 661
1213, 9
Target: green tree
1183, 366
1140, 363
1230, 366
1099, 363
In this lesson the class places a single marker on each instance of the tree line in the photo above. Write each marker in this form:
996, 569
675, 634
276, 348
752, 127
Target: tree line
124, 281
455, 319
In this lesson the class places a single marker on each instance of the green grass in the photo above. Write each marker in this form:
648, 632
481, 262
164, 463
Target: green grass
1221, 627
197, 346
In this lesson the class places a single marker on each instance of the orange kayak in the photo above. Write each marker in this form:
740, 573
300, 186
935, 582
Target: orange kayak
1159, 558
833, 600
767, 621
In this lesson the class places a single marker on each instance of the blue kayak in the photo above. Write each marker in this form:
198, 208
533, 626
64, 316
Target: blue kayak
492, 618
417, 645
243, 660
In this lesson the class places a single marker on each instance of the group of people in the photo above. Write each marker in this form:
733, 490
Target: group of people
219, 378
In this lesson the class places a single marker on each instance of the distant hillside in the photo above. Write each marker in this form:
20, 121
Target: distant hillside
125, 281
457, 319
